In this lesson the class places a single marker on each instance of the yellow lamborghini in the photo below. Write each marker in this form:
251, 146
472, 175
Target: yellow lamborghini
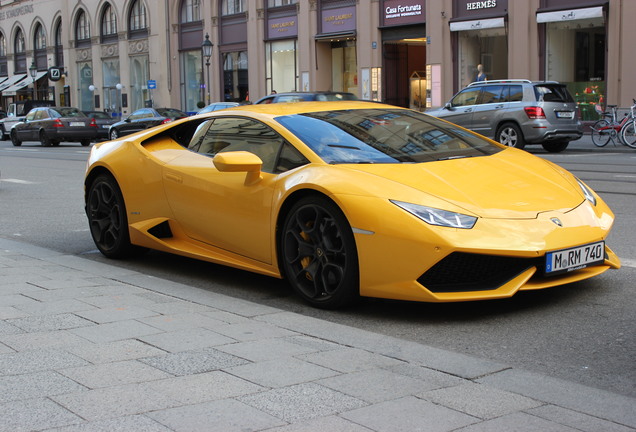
348, 199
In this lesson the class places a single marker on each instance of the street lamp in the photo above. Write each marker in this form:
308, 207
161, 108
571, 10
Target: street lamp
119, 87
206, 47
33, 71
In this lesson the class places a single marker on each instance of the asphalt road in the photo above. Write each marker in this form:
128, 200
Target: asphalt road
583, 332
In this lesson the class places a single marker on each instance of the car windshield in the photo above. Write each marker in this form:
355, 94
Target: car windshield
383, 136
171, 113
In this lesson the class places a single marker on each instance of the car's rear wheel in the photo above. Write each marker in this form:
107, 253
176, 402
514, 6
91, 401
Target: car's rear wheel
510, 135
555, 147
3, 133
107, 219
15, 140
114, 134
85, 142
44, 139
318, 253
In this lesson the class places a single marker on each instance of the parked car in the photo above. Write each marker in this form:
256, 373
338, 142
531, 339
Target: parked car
104, 120
307, 96
215, 106
349, 199
144, 118
52, 125
516, 113
16, 113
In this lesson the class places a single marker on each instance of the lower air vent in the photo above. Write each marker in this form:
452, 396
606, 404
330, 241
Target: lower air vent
161, 231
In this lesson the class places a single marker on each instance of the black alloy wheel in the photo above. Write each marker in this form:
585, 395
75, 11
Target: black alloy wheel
113, 134
318, 253
15, 140
555, 147
107, 219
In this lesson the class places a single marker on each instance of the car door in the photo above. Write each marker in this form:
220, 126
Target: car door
219, 208
25, 130
460, 108
491, 105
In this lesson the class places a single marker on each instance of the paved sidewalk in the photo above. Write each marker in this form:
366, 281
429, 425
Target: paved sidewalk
86, 346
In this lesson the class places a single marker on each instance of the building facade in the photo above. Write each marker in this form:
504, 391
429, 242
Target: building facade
121, 55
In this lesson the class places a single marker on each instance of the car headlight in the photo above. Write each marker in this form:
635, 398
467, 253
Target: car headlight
438, 217
587, 192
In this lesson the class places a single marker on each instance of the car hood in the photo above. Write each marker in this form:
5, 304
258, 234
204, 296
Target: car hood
511, 184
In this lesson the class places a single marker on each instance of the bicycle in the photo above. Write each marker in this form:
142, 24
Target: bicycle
628, 131
609, 128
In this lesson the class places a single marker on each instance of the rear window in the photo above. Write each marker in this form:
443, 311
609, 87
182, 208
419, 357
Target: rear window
171, 113
552, 93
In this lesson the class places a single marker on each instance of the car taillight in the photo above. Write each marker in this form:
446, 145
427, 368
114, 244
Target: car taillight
166, 121
535, 112
93, 123
58, 123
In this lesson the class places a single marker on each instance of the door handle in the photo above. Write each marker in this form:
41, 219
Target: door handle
174, 177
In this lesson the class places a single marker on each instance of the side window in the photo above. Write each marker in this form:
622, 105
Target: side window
31, 115
516, 93
41, 114
198, 136
290, 158
466, 97
491, 94
241, 134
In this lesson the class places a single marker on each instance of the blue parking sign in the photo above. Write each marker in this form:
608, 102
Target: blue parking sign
152, 84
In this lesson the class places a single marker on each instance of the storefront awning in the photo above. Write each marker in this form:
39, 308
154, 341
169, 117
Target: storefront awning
478, 24
13, 89
11, 80
334, 37
570, 15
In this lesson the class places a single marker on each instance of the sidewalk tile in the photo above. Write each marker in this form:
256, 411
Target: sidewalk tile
42, 340
433, 378
517, 422
34, 414
106, 298
375, 385
185, 340
40, 323
264, 350
112, 314
114, 374
277, 373
36, 385
349, 359
218, 416
31, 361
114, 331
109, 352
194, 362
409, 414
9, 329
249, 331
479, 400
182, 321
135, 423
177, 307
54, 307
576, 420
330, 424
302, 402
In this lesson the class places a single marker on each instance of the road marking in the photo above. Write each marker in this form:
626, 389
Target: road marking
10, 180
624, 176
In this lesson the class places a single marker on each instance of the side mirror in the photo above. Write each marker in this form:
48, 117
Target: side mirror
448, 106
240, 161
127, 119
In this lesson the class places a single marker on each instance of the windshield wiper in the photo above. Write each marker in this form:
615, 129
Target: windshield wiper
453, 157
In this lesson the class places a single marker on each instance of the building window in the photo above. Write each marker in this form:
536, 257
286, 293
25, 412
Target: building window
277, 3
140, 96
109, 24
85, 96
19, 54
59, 46
40, 38
82, 30
39, 45
190, 11
281, 60
3, 56
137, 21
231, 7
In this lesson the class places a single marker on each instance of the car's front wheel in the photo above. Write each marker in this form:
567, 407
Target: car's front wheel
15, 140
107, 219
318, 253
85, 142
510, 135
113, 134
555, 147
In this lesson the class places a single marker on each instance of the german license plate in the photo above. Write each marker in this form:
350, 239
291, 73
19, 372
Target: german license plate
78, 124
105, 126
567, 260
565, 114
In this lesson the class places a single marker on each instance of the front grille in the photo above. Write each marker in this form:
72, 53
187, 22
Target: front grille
460, 272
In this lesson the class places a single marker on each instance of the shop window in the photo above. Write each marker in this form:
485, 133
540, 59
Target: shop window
191, 80
281, 60
235, 82
139, 76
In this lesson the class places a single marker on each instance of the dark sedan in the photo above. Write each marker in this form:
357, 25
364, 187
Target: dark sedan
52, 125
104, 120
144, 118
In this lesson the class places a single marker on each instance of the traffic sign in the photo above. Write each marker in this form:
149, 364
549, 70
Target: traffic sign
152, 84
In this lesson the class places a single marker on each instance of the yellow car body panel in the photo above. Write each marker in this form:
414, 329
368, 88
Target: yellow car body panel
231, 218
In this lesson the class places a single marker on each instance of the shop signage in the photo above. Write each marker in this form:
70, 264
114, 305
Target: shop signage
55, 73
285, 27
339, 20
403, 12
16, 12
487, 4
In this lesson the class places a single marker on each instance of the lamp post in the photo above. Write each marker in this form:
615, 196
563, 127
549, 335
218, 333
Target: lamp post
206, 47
33, 71
119, 87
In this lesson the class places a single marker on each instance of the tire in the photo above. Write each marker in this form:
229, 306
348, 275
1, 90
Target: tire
3, 134
107, 219
628, 134
113, 134
85, 142
510, 135
318, 254
55, 143
44, 139
555, 147
14, 139
600, 134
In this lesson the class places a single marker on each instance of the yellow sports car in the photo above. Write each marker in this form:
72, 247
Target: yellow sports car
348, 199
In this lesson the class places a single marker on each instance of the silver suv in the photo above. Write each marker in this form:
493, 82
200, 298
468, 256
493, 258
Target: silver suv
516, 113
